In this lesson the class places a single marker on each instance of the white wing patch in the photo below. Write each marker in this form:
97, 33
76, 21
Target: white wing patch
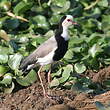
47, 59
30, 66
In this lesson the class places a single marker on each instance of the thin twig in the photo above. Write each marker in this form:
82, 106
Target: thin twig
92, 5
39, 2
18, 17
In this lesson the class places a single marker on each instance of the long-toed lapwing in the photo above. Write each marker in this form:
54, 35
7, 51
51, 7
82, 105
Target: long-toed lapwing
51, 50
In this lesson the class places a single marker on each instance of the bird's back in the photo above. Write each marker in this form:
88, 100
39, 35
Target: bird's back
43, 50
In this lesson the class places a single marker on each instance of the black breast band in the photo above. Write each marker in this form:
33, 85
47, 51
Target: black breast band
62, 48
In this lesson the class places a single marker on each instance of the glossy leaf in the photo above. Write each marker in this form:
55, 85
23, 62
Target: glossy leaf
54, 83
9, 89
22, 7
58, 73
54, 19
3, 58
103, 3
3, 70
7, 79
105, 22
6, 5
30, 78
41, 22
59, 3
6, 50
11, 24
66, 73
69, 54
58, 10
79, 67
94, 50
14, 61
13, 45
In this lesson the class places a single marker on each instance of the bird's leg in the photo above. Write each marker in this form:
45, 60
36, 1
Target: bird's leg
49, 77
39, 71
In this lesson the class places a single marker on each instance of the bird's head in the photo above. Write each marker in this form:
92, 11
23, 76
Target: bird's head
67, 21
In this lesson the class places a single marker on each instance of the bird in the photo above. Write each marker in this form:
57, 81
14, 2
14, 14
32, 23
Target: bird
51, 50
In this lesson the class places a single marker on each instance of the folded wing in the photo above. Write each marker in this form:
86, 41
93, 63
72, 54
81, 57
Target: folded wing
43, 50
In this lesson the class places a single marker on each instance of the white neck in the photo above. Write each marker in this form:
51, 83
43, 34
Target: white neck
65, 33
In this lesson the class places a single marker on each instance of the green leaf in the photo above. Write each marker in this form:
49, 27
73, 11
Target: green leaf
107, 61
79, 67
54, 19
38, 41
3, 58
59, 3
6, 50
23, 39
103, 3
58, 73
77, 87
54, 83
3, 70
46, 67
94, 63
7, 79
11, 24
100, 106
77, 11
97, 10
76, 40
30, 78
80, 87
40, 22
106, 23
89, 24
14, 61
37, 9
9, 89
69, 54
94, 50
66, 73
49, 34
6, 5
106, 18
57, 10
94, 38
21, 7
13, 45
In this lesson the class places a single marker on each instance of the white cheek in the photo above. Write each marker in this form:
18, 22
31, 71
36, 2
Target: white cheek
66, 24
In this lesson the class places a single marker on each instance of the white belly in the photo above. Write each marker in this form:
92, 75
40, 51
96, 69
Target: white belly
47, 59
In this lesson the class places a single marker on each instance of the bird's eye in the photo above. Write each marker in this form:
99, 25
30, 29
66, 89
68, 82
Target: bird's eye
68, 20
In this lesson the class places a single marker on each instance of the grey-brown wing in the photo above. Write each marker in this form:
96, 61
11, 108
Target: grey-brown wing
43, 50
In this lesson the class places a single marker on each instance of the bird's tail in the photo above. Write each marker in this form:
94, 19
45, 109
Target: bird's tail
26, 65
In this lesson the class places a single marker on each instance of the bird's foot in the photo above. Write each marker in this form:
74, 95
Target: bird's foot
47, 96
53, 98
